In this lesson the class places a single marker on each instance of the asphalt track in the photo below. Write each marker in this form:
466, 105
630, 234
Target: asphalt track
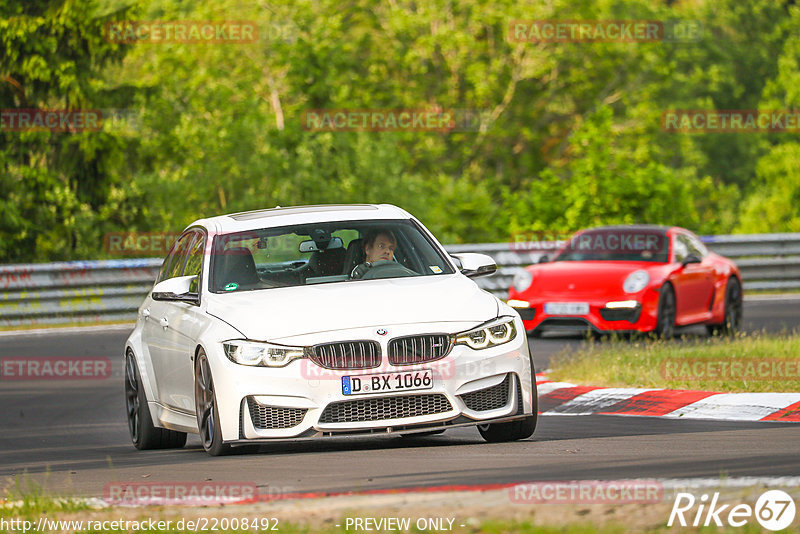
72, 438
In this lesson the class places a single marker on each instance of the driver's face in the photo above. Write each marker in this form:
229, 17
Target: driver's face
381, 249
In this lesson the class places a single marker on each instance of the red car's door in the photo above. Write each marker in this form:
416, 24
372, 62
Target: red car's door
693, 283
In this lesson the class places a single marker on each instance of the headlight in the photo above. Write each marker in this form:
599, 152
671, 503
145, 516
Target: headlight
497, 332
636, 281
522, 280
261, 354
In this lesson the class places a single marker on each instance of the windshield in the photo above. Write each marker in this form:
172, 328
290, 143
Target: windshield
320, 253
618, 244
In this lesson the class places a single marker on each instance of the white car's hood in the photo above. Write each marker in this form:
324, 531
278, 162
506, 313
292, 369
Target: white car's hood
282, 312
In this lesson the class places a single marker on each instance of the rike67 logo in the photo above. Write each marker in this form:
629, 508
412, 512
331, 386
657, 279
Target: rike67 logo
774, 510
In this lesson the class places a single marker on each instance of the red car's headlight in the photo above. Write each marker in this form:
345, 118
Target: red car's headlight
636, 281
522, 280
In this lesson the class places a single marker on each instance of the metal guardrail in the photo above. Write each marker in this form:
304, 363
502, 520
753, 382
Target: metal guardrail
105, 290
76, 291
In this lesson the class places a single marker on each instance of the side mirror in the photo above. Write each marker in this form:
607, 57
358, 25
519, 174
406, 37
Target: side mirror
472, 264
176, 289
691, 258
544, 258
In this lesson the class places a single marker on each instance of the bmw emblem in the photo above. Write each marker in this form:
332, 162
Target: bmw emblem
381, 332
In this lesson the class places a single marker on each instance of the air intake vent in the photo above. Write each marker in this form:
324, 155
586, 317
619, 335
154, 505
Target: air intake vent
490, 398
383, 408
273, 417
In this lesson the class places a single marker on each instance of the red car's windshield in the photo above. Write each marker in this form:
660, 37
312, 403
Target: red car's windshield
617, 244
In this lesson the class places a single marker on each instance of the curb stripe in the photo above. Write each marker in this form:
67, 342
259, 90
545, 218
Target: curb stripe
737, 406
656, 402
788, 414
560, 396
563, 398
597, 400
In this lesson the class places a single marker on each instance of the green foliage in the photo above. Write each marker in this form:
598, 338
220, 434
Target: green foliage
775, 206
570, 133
55, 185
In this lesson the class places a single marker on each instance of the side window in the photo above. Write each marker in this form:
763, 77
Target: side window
173, 265
697, 248
162, 274
679, 248
194, 263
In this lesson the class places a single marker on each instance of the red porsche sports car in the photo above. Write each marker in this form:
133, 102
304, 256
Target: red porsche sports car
630, 278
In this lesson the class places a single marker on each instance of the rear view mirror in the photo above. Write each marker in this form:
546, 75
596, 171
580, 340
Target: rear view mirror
544, 258
311, 246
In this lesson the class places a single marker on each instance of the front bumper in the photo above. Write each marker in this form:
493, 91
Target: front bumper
600, 318
303, 400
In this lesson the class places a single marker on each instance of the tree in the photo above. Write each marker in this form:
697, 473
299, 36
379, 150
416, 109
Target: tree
54, 184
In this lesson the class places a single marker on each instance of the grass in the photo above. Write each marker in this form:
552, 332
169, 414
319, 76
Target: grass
27, 499
748, 363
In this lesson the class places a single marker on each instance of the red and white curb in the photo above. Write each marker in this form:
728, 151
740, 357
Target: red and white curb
563, 398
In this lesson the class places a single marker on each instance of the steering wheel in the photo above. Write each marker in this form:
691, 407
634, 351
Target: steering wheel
386, 269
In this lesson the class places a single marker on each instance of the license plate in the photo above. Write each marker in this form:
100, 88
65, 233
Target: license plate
387, 382
566, 308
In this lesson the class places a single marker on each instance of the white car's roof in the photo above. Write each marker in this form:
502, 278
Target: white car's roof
278, 216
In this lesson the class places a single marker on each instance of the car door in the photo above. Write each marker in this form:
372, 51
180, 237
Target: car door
705, 285
691, 282
185, 321
160, 335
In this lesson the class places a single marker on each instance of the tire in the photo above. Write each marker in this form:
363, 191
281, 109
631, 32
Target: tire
205, 402
733, 310
665, 322
144, 434
513, 430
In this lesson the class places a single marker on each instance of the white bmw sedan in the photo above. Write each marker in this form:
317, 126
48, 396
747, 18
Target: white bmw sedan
314, 321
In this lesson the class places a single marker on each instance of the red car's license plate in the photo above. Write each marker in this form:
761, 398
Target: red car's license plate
566, 308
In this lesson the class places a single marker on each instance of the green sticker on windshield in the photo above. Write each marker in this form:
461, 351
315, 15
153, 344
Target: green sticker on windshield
233, 286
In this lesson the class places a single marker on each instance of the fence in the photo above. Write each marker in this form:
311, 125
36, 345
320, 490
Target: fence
107, 290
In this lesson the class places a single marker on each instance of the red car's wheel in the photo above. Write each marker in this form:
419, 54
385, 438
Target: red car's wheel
665, 324
733, 310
